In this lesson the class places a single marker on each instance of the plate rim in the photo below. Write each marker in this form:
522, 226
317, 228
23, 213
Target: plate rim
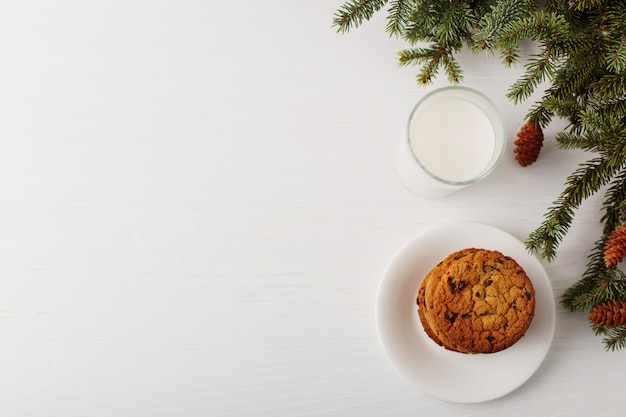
548, 308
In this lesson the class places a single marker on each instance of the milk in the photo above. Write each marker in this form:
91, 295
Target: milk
455, 136
452, 139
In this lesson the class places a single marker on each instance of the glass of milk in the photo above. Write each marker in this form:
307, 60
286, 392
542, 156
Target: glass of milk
455, 137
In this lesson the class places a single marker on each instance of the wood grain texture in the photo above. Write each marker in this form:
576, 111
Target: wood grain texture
198, 200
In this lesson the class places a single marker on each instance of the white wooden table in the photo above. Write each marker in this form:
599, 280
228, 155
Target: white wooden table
197, 203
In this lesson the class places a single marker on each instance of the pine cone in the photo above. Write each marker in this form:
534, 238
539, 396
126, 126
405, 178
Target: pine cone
528, 144
609, 314
615, 247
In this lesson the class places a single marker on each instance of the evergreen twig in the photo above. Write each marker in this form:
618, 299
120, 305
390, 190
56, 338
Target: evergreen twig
353, 13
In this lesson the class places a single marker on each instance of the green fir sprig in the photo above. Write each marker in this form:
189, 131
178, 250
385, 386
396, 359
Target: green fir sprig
581, 57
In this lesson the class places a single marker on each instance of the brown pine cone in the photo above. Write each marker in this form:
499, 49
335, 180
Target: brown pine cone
528, 144
609, 314
615, 247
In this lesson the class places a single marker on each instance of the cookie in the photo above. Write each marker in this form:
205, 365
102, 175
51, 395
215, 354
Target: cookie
425, 294
482, 303
428, 282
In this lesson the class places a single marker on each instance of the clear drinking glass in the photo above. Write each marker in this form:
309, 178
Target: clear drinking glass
455, 136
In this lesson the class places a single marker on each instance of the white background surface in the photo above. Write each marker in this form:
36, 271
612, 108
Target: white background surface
198, 200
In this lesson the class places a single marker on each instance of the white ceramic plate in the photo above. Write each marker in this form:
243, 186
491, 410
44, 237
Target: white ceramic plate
452, 376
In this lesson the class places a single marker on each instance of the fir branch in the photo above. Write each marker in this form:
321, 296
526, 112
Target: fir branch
577, 296
431, 59
582, 296
416, 56
575, 76
584, 182
556, 6
613, 338
509, 57
446, 28
456, 23
492, 23
610, 135
571, 140
583, 5
539, 68
616, 108
399, 13
422, 22
428, 72
613, 207
598, 284
452, 68
535, 26
611, 128
546, 238
616, 54
541, 114
542, 66
354, 12
566, 108
609, 86
607, 285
